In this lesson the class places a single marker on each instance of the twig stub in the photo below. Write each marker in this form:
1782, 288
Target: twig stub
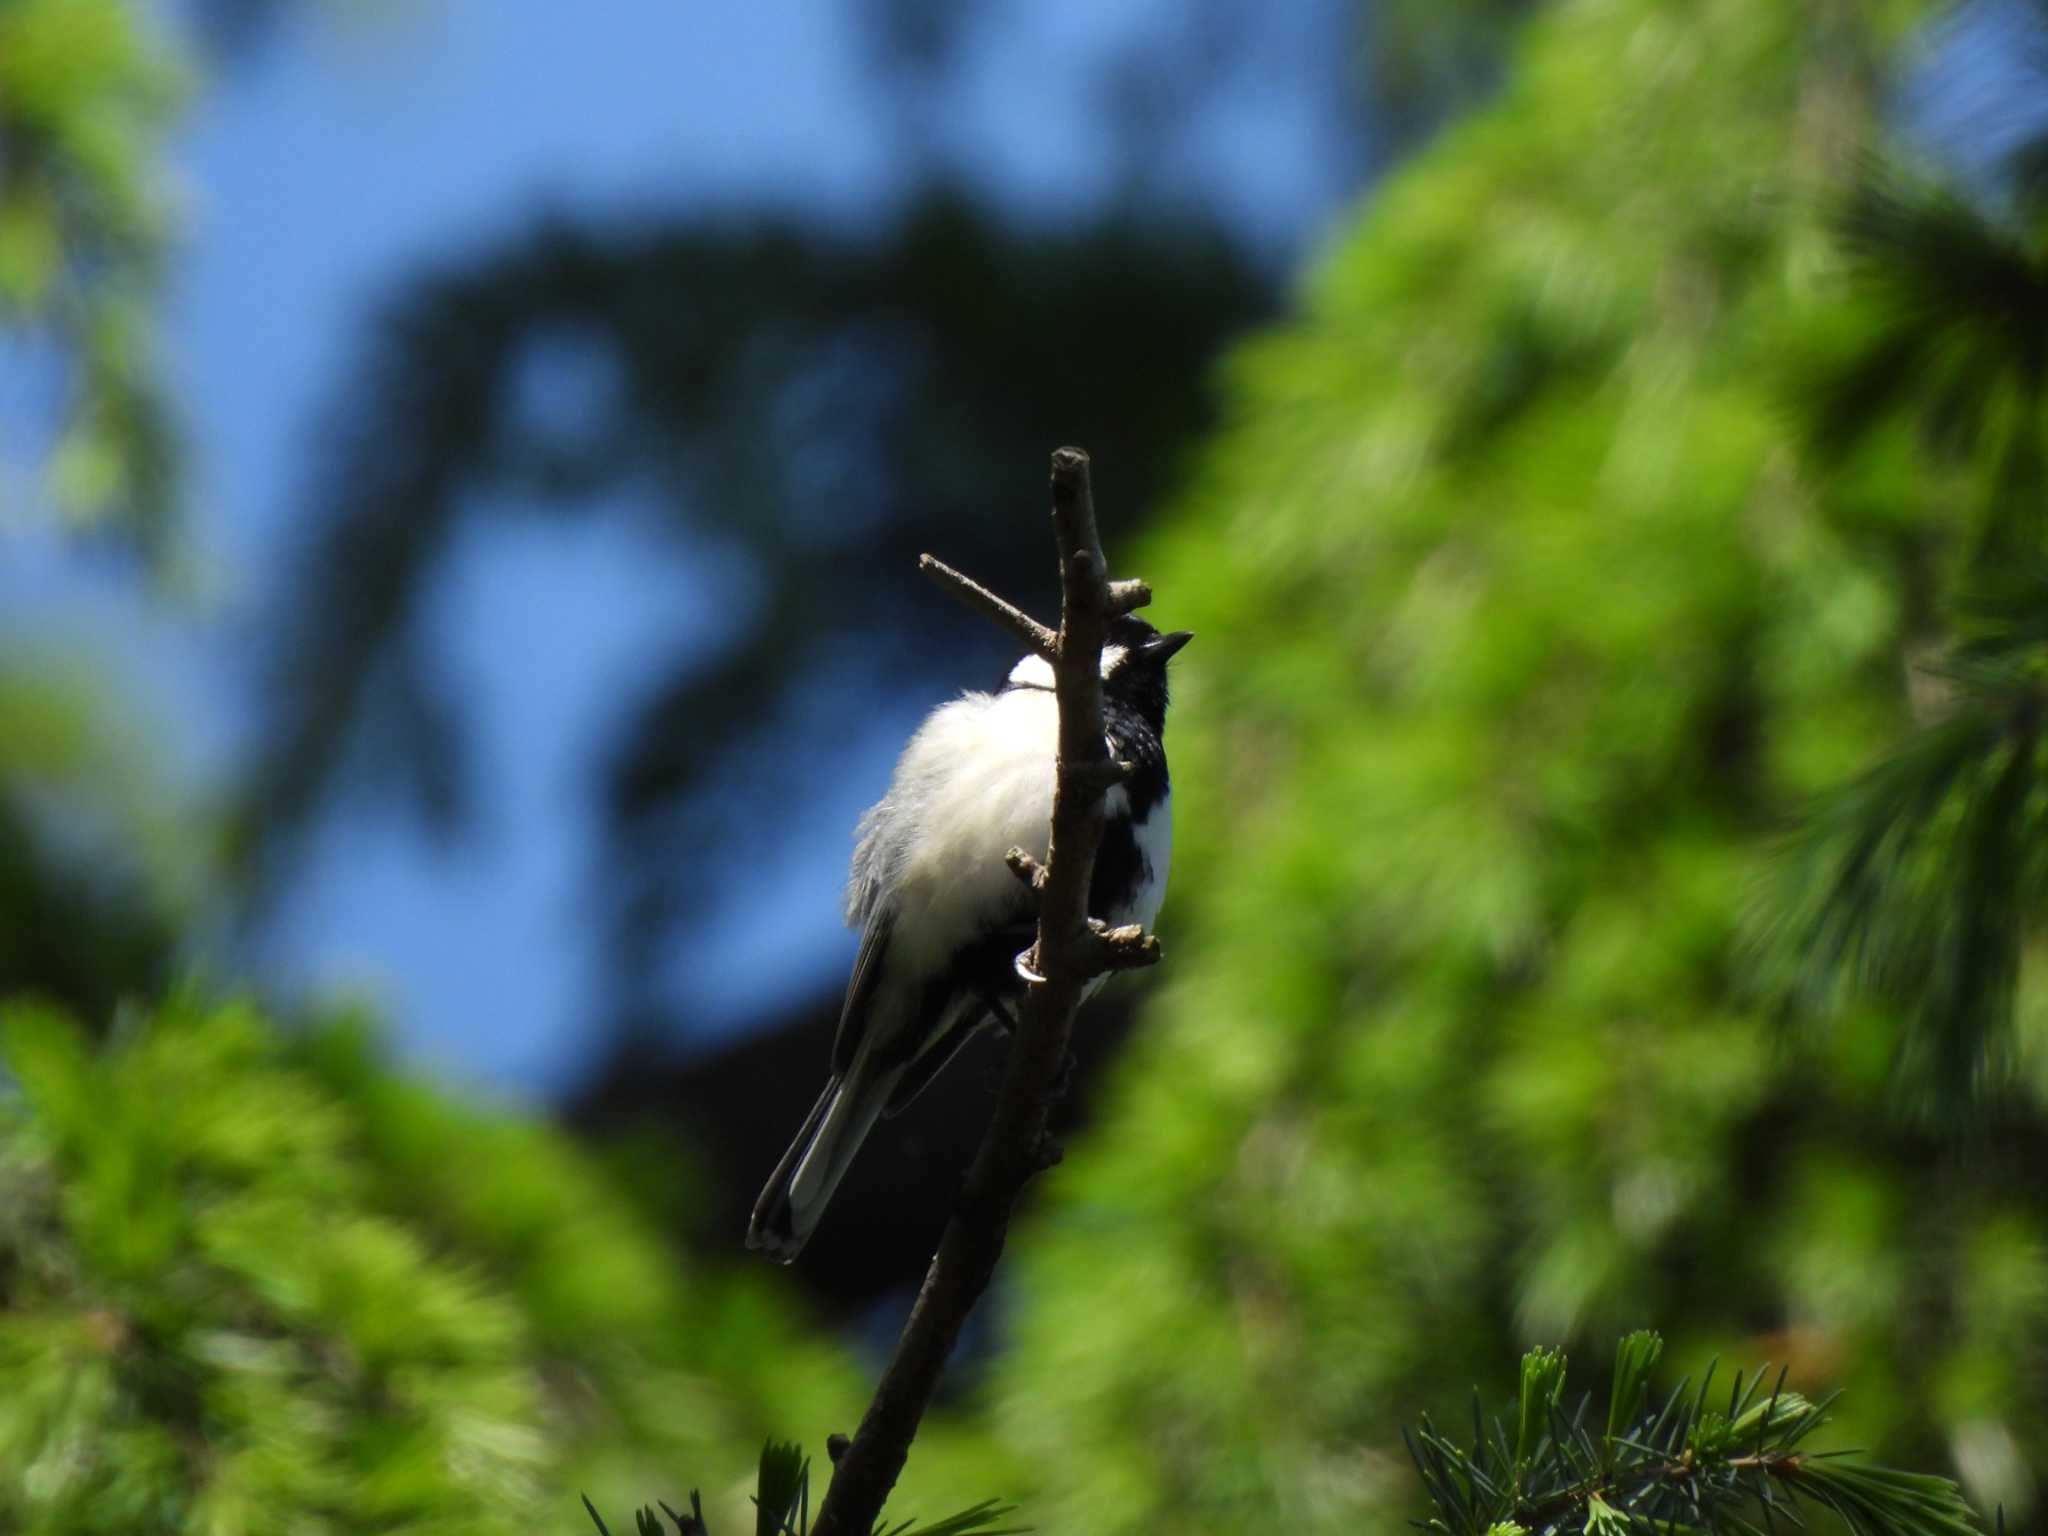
1026, 869
1128, 948
1128, 596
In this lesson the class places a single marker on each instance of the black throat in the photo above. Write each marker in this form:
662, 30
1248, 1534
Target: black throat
1121, 868
1136, 740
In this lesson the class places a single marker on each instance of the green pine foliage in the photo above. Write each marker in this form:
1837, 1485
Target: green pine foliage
1915, 883
1531, 619
252, 1286
1686, 1463
87, 96
782, 1507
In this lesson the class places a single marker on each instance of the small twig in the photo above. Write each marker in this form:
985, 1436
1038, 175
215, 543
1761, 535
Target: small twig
1071, 950
1128, 948
1026, 869
1124, 596
1671, 1469
1035, 635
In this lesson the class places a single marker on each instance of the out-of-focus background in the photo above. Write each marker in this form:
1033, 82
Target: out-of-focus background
461, 469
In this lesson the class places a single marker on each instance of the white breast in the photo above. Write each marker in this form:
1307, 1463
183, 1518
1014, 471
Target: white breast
974, 782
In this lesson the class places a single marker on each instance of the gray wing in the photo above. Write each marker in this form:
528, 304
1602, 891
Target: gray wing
860, 988
968, 1014
934, 1058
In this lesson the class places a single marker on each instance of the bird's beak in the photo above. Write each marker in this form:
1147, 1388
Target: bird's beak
1166, 645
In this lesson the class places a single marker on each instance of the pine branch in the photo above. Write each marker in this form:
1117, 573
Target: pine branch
1068, 953
1686, 1467
1910, 885
782, 1507
1960, 298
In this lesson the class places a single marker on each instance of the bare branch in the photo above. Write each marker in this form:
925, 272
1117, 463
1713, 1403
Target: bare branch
1036, 636
1070, 951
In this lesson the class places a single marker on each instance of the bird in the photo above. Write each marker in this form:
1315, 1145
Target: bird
942, 918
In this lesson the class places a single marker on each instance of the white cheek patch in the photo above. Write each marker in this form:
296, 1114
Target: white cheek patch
1034, 671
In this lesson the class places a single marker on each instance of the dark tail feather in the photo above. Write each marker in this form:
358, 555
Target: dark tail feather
810, 1170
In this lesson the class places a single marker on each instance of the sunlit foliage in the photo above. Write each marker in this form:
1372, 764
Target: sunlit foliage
86, 96
1531, 619
246, 1286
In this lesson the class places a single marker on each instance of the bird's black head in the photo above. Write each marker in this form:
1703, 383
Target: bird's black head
1134, 661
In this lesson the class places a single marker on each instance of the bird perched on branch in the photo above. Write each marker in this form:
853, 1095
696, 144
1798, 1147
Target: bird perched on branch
943, 919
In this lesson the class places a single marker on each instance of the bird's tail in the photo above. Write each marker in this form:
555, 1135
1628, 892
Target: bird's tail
810, 1170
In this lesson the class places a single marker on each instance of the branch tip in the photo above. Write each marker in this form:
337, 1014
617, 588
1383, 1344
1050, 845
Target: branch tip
1073, 524
1069, 477
1125, 596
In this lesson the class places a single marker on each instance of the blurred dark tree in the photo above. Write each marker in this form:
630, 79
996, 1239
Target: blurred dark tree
809, 411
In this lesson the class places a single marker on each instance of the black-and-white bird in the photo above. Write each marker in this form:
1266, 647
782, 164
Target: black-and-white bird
942, 919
